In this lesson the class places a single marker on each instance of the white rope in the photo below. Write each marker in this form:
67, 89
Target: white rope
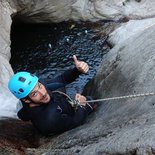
121, 97
111, 98
60, 92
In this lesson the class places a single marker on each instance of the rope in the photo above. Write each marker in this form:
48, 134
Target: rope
72, 102
60, 92
121, 97
110, 98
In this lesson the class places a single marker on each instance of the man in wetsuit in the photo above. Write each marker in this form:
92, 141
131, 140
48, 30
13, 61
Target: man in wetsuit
51, 111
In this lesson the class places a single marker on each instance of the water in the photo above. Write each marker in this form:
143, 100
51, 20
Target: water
47, 50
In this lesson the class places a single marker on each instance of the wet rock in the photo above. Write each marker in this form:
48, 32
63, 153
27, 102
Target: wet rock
5, 12
63, 10
130, 29
138, 1
127, 69
5, 68
15, 136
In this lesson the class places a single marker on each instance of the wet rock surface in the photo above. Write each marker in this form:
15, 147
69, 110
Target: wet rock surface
128, 69
16, 135
92, 10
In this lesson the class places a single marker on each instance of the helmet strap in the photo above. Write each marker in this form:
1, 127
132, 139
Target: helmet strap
27, 99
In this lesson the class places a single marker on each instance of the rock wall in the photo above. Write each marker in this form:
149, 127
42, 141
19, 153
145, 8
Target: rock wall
38, 11
128, 69
6, 99
5, 26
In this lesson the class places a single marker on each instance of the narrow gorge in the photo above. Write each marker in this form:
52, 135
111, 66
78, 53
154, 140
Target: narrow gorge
124, 127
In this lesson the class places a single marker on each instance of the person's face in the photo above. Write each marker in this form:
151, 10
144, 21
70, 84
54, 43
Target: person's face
39, 94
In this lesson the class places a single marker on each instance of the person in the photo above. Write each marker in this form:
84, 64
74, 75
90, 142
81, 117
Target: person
45, 103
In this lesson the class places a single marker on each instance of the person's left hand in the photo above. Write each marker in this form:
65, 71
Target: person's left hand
80, 65
82, 99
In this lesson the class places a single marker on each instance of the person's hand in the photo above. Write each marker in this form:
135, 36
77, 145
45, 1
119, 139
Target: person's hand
80, 65
82, 99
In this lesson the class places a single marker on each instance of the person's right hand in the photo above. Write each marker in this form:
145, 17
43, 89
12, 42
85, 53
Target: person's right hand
82, 99
80, 65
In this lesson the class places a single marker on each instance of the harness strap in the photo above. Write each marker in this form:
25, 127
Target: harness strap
110, 98
74, 103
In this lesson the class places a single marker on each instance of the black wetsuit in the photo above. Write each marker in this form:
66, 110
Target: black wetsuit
57, 116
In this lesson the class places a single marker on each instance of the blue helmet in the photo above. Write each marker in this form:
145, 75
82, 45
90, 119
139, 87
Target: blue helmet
22, 83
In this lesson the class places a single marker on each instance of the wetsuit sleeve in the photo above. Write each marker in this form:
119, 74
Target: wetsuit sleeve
65, 78
50, 121
66, 122
22, 114
70, 122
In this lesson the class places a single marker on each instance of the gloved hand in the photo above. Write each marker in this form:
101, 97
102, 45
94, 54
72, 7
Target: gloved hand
82, 101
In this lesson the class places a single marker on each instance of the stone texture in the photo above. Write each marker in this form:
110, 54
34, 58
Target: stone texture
47, 11
128, 69
129, 29
5, 68
15, 136
38, 11
5, 18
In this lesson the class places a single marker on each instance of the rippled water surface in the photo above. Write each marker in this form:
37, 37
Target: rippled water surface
47, 50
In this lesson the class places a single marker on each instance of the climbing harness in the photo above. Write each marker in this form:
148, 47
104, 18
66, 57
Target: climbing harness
75, 103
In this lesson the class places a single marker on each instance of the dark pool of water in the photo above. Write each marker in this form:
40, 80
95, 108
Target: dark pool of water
47, 50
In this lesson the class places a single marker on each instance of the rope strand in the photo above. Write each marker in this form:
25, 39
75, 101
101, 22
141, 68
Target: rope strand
110, 98
121, 97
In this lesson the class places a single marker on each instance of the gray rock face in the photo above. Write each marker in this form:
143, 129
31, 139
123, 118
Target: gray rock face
6, 99
127, 69
129, 29
62, 10
5, 12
